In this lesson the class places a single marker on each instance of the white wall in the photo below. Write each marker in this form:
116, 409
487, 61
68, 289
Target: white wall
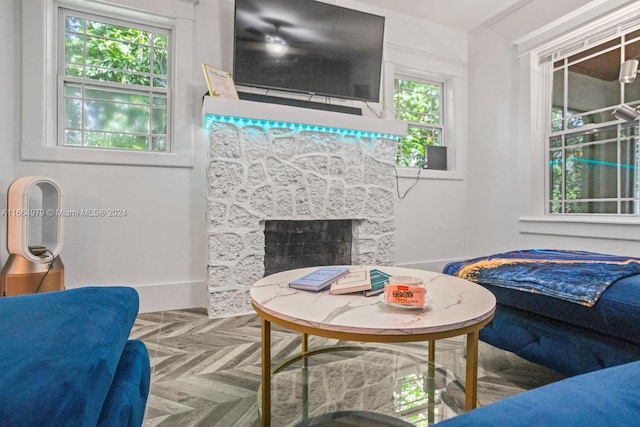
8, 112
497, 166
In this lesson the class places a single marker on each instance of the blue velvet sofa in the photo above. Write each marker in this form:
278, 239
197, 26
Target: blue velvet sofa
66, 359
607, 397
564, 336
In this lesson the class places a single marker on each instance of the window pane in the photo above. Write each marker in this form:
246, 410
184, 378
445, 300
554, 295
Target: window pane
411, 151
555, 208
72, 138
116, 96
74, 24
591, 172
74, 71
160, 83
74, 50
591, 207
417, 102
594, 50
116, 111
632, 49
593, 83
159, 121
116, 140
424, 136
555, 170
116, 117
577, 120
73, 91
629, 163
632, 90
629, 207
160, 101
73, 113
160, 62
557, 110
106, 75
116, 32
159, 143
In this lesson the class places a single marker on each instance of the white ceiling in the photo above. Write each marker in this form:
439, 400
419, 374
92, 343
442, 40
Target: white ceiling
513, 18
461, 14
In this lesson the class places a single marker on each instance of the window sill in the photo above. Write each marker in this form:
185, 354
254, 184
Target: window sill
598, 227
412, 173
106, 157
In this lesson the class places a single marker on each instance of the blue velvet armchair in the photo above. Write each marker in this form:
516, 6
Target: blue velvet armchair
66, 359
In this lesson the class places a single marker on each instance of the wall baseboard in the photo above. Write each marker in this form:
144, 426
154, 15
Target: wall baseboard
172, 296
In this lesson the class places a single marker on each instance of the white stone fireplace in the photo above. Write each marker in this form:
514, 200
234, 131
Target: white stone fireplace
271, 162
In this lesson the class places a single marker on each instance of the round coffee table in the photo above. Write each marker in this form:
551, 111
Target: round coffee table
455, 307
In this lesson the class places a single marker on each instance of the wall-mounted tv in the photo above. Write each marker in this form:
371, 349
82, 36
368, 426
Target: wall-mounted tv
308, 46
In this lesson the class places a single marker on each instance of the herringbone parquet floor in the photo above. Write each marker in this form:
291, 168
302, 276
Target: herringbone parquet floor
206, 372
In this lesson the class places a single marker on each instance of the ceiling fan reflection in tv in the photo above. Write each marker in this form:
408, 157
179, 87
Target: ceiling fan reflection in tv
309, 47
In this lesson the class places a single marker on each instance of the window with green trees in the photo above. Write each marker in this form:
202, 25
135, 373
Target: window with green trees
593, 157
420, 104
115, 84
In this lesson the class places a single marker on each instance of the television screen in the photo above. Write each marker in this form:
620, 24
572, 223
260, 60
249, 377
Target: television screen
308, 46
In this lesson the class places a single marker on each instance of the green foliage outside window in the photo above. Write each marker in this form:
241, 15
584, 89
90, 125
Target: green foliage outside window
115, 86
568, 186
419, 104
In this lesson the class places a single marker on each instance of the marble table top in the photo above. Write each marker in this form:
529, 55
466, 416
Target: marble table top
452, 304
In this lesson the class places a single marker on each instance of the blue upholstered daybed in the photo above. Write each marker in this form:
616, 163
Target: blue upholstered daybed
542, 318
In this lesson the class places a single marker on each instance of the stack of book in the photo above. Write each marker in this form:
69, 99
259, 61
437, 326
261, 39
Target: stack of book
343, 280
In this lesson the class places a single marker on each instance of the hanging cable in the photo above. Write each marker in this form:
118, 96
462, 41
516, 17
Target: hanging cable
408, 189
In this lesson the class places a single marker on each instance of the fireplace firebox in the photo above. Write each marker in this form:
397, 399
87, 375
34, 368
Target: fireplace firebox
293, 244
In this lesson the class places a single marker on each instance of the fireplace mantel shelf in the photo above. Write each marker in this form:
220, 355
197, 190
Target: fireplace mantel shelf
222, 109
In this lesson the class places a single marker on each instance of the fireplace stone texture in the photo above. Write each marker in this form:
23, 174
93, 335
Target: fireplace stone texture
262, 173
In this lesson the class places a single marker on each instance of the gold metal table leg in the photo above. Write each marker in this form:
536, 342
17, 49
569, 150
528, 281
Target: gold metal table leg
471, 384
431, 375
305, 377
266, 373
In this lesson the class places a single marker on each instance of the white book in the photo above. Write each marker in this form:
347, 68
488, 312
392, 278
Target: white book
357, 280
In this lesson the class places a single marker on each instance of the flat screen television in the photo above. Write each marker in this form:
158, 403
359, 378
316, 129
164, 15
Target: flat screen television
307, 46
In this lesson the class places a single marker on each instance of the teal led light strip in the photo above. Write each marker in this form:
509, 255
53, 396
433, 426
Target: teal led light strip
267, 124
592, 162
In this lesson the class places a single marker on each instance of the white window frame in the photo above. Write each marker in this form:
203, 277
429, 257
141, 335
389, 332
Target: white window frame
442, 108
590, 19
567, 131
39, 38
454, 120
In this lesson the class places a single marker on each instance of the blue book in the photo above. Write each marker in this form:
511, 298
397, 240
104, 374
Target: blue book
378, 280
319, 279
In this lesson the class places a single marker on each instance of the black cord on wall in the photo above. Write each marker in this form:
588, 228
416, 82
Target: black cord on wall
49, 268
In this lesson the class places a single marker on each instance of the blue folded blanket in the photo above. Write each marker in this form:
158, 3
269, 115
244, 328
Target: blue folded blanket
575, 276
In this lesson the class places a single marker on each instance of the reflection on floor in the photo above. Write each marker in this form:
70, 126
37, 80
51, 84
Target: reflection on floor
206, 372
